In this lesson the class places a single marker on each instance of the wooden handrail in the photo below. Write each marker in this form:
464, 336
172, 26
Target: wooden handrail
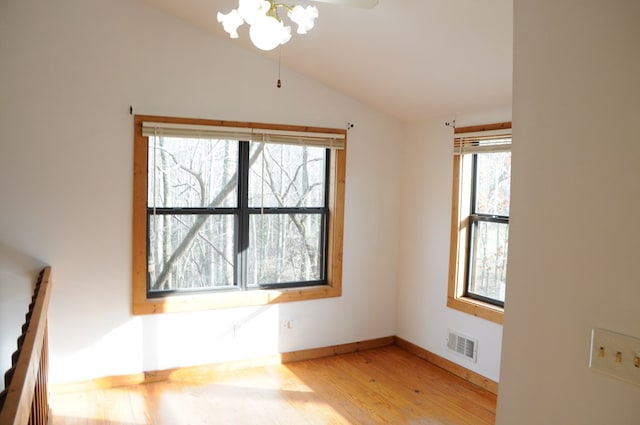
26, 399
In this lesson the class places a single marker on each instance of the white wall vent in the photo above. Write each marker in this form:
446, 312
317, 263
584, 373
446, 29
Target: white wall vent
463, 345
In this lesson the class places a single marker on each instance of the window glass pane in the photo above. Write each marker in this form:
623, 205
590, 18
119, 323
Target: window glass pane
284, 248
192, 173
489, 259
190, 251
493, 183
287, 176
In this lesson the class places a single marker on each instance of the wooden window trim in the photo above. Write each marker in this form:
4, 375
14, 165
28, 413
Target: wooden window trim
459, 229
141, 304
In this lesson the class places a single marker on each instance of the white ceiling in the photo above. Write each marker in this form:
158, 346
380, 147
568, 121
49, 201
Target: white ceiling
410, 59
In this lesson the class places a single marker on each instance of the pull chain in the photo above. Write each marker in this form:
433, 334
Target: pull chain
279, 84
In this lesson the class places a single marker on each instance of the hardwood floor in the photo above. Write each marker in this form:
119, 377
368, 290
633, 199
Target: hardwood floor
381, 386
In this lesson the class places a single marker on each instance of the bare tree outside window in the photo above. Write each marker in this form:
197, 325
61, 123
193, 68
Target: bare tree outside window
195, 214
490, 225
285, 245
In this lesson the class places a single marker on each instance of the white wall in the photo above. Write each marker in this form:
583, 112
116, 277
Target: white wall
70, 70
423, 315
574, 234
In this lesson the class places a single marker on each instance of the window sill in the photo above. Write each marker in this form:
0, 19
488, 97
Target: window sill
477, 308
200, 302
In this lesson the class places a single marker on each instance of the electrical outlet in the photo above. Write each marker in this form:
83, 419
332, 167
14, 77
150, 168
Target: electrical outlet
287, 324
615, 355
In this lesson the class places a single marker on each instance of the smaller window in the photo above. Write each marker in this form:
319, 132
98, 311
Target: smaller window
480, 220
489, 224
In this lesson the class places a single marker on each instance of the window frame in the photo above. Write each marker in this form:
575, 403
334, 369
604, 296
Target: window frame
142, 303
458, 297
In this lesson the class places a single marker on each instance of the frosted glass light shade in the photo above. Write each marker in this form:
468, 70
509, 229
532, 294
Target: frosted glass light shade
304, 17
268, 33
230, 22
253, 10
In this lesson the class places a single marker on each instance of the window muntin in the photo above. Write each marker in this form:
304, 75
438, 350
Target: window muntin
480, 220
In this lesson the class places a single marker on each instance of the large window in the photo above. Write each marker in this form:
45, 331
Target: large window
480, 220
235, 214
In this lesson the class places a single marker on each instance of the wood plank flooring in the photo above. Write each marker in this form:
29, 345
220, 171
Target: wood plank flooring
381, 386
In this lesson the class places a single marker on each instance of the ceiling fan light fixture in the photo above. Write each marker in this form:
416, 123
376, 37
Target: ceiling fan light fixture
267, 31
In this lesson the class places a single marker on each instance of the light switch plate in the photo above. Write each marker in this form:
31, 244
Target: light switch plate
616, 355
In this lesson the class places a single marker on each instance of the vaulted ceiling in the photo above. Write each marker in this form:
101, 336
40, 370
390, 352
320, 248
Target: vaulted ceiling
410, 59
